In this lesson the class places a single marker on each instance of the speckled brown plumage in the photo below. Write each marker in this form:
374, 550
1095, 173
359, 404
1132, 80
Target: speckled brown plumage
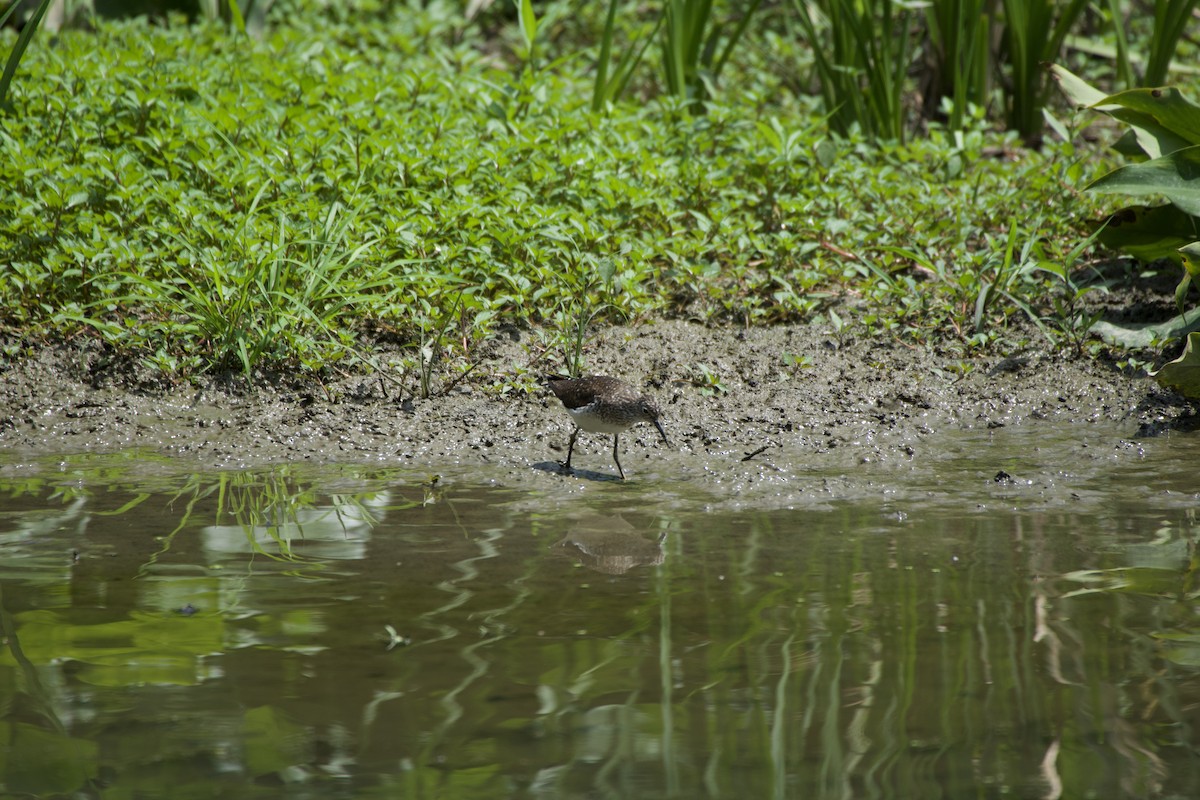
600, 404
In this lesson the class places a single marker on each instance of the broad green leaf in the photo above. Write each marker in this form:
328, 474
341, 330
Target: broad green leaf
1142, 335
1149, 233
1167, 106
1153, 138
1175, 176
1183, 374
1163, 120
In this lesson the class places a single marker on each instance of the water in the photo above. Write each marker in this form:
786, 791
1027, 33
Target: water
914, 630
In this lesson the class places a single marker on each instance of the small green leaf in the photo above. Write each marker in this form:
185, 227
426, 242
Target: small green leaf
826, 153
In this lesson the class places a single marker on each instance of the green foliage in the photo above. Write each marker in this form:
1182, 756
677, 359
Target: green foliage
18, 50
708, 382
279, 202
959, 69
1165, 138
1183, 374
1171, 18
1033, 34
861, 53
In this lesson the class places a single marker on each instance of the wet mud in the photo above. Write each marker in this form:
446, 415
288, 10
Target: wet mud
738, 404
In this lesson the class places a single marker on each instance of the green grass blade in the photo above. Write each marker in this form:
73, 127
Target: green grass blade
14, 58
528, 21
600, 88
1171, 18
736, 36
235, 13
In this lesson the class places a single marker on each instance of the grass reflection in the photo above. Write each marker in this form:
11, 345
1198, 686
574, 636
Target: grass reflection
599, 647
275, 514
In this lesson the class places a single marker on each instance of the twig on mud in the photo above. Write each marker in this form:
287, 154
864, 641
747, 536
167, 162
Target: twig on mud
759, 451
833, 248
450, 386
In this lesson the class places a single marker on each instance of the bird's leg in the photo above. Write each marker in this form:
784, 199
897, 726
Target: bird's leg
616, 460
571, 448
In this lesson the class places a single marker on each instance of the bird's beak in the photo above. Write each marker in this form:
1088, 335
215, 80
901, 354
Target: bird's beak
658, 425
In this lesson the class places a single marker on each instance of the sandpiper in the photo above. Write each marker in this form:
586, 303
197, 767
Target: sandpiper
600, 404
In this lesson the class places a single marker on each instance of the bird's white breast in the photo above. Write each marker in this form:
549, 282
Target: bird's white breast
587, 419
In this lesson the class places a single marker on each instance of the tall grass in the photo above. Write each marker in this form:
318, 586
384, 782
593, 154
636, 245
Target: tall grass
862, 52
695, 49
693, 52
864, 56
608, 87
958, 66
1033, 35
1171, 18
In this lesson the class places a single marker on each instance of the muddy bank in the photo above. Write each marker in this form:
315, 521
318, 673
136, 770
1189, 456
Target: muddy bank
855, 400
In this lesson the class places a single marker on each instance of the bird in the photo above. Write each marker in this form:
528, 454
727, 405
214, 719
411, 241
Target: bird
600, 404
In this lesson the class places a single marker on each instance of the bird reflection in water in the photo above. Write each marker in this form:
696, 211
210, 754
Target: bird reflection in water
611, 545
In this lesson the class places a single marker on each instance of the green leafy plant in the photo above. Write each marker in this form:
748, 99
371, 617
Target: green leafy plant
1164, 137
434, 321
707, 381
314, 217
1183, 374
587, 303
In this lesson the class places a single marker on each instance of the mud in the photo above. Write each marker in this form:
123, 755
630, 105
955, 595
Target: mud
757, 414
